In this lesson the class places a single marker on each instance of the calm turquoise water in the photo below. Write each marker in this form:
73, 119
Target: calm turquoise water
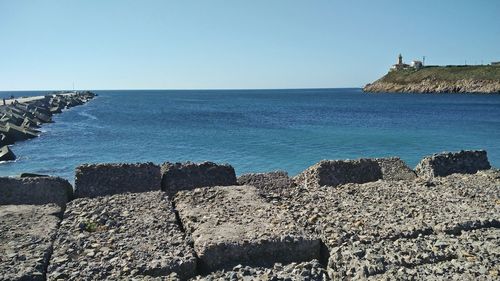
259, 130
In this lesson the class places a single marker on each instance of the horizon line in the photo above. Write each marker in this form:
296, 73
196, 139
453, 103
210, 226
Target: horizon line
185, 89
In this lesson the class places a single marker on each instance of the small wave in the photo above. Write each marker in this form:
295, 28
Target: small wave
86, 114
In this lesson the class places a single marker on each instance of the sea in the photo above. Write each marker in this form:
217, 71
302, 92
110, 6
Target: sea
258, 130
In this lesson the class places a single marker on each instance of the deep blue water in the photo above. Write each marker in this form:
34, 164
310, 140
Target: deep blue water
259, 130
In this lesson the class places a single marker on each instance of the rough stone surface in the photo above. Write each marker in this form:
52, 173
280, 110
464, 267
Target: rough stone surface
434, 86
471, 255
188, 176
268, 183
307, 271
123, 236
26, 235
337, 172
383, 212
447, 163
233, 225
92, 180
395, 169
35, 190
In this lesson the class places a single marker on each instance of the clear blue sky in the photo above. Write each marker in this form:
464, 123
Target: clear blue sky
234, 44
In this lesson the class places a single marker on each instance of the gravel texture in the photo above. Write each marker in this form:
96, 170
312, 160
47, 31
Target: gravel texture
447, 163
381, 211
26, 236
472, 255
307, 271
120, 237
233, 225
92, 180
35, 190
188, 176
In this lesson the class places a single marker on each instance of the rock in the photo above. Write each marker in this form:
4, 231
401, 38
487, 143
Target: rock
92, 180
188, 176
6, 154
36, 191
233, 225
31, 175
26, 235
444, 164
121, 237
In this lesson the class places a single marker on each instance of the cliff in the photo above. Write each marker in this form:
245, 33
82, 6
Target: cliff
440, 79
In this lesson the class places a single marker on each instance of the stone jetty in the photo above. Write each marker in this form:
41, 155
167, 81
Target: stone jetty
21, 118
364, 219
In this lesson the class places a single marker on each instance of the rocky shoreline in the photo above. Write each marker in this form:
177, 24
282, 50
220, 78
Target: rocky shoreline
365, 219
21, 118
435, 86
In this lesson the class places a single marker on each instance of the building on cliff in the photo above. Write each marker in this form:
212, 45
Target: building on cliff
400, 65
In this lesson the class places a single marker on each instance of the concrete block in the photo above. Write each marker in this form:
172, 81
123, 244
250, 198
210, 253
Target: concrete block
233, 225
188, 176
92, 180
35, 190
26, 236
121, 237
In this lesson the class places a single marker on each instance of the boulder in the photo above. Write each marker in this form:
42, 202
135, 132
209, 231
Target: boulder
35, 191
447, 163
233, 225
188, 176
127, 236
6, 154
92, 180
26, 236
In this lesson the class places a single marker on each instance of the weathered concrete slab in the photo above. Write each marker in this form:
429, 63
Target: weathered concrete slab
312, 271
233, 225
26, 236
271, 180
119, 237
395, 169
369, 213
188, 176
447, 163
92, 180
35, 190
472, 255
337, 172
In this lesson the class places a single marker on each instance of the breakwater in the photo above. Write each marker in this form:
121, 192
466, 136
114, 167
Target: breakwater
338, 219
22, 117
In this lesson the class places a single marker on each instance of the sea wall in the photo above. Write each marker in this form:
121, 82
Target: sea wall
339, 219
20, 118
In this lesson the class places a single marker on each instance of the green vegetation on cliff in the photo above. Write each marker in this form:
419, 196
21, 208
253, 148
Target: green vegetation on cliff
443, 73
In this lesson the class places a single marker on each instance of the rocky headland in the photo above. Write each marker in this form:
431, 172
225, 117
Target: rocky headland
364, 219
20, 118
439, 79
